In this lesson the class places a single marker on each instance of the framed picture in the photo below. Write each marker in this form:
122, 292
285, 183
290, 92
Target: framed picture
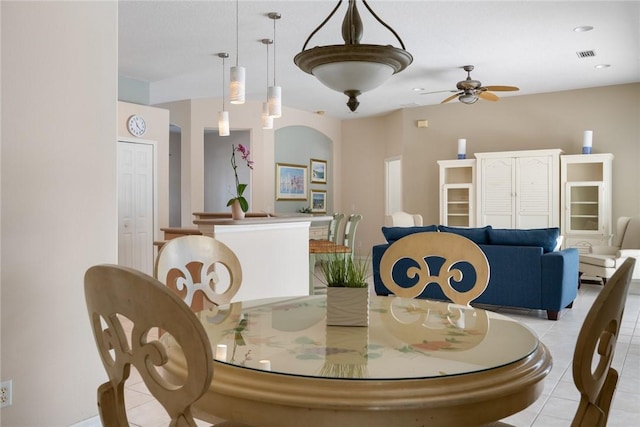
291, 182
318, 201
318, 171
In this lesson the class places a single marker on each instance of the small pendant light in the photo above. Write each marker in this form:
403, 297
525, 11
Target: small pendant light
223, 116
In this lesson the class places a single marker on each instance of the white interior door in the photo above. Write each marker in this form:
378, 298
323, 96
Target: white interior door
135, 205
393, 185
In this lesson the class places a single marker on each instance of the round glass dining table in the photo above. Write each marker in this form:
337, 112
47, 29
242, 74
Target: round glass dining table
418, 363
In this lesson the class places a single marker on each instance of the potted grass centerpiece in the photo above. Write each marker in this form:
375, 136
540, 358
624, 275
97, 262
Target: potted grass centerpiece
347, 291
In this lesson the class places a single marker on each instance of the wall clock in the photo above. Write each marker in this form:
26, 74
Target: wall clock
137, 125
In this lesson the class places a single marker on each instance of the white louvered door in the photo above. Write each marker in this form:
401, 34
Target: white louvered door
519, 189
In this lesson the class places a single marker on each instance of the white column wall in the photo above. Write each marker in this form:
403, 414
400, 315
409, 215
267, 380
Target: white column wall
59, 91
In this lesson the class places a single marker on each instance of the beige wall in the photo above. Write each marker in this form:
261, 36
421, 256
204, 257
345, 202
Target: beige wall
553, 120
59, 85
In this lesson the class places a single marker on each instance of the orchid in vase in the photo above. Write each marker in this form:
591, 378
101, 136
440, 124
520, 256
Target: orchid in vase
244, 152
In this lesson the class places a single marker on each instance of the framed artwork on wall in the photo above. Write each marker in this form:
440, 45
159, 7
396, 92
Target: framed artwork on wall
318, 171
318, 201
291, 182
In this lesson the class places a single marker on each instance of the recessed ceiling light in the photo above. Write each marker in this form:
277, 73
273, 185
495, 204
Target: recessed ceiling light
602, 66
418, 89
583, 28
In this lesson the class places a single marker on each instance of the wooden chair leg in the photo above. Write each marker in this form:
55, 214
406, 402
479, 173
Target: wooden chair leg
552, 315
111, 406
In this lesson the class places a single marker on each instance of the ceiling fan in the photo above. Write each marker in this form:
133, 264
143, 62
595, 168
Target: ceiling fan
469, 91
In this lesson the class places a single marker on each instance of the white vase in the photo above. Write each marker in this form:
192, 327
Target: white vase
347, 306
236, 210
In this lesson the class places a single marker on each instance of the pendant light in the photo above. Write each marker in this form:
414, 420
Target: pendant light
353, 68
237, 74
274, 93
223, 116
267, 120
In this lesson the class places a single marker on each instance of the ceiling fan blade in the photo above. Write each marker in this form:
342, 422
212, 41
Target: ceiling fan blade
450, 98
502, 88
437, 91
488, 96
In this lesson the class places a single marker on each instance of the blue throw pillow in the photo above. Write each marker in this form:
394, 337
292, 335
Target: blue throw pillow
543, 237
479, 236
394, 233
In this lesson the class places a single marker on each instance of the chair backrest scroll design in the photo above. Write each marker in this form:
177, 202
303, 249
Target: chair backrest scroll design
113, 292
435, 257
188, 264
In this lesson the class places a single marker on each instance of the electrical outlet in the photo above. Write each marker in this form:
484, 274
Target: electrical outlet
5, 393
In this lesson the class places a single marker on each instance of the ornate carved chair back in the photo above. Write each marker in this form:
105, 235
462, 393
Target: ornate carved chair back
195, 263
334, 227
118, 297
350, 228
596, 344
453, 262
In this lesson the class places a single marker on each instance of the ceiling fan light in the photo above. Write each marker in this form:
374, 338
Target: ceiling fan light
223, 123
468, 99
237, 85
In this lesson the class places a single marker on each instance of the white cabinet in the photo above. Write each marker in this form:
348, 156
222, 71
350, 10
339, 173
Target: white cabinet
457, 192
586, 200
518, 189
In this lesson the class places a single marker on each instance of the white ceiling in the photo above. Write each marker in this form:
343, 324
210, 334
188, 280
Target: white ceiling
529, 44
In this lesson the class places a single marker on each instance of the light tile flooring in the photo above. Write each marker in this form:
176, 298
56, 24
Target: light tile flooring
559, 401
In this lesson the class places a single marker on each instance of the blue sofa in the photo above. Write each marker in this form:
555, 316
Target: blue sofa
525, 270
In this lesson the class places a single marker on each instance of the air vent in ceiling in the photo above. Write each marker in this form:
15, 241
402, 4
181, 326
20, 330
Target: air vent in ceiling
586, 54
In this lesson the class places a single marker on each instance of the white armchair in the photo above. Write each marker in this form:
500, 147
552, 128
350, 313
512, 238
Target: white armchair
603, 261
402, 219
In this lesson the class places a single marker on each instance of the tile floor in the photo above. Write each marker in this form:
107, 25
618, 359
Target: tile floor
559, 401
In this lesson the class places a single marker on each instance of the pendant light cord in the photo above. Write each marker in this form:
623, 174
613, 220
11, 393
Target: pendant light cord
267, 44
274, 52
223, 83
237, 33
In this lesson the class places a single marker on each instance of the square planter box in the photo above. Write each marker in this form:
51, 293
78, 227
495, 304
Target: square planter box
347, 306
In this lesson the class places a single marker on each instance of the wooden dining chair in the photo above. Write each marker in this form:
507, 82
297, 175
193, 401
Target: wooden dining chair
453, 262
592, 372
593, 375
115, 293
334, 227
350, 228
192, 266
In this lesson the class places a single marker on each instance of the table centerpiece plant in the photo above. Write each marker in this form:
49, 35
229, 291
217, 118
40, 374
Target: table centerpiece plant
239, 204
347, 290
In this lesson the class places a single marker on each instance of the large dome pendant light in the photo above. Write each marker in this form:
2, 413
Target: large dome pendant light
223, 116
274, 93
353, 68
237, 74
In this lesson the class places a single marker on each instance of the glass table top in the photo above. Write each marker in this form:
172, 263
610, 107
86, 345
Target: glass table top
405, 339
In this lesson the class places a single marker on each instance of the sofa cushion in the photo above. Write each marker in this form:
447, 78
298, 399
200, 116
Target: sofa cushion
479, 236
543, 237
607, 261
394, 233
